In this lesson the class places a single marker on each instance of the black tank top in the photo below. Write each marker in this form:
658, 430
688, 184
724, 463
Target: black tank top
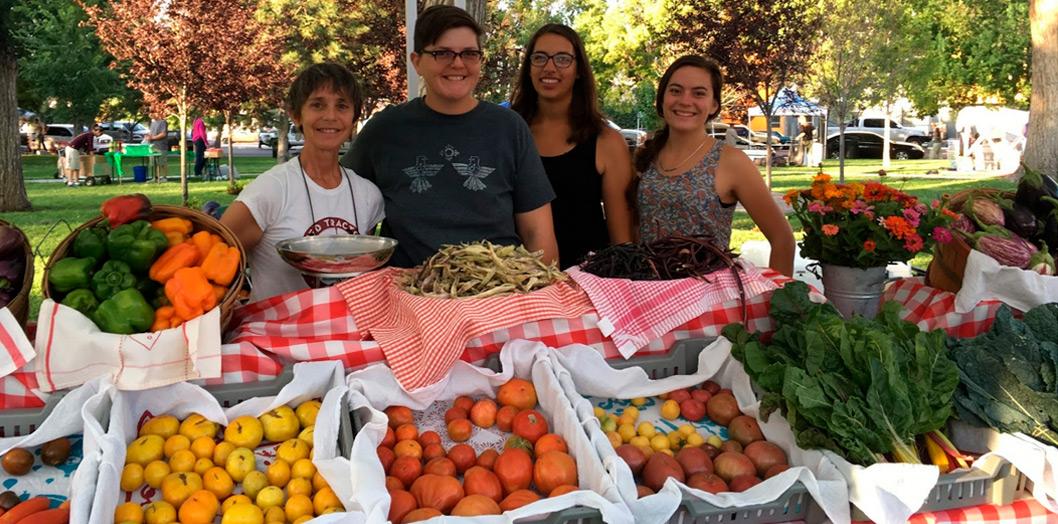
577, 209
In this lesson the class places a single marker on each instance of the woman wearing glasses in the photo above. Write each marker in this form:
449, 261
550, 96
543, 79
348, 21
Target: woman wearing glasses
452, 168
586, 161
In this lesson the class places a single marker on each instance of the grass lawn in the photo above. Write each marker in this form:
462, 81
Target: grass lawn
58, 209
43, 167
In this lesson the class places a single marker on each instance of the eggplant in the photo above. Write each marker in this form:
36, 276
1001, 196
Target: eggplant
1020, 220
984, 211
1032, 188
7, 295
11, 241
964, 224
11, 270
1005, 247
1042, 262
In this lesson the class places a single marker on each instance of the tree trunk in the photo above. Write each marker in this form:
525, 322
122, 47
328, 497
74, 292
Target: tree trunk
283, 143
231, 152
886, 144
182, 106
12, 187
841, 152
1041, 148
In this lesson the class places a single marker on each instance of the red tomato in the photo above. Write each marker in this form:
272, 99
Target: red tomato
530, 425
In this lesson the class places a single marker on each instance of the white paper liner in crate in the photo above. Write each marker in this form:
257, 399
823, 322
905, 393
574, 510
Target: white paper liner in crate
584, 372
83, 411
311, 380
986, 279
1036, 461
376, 387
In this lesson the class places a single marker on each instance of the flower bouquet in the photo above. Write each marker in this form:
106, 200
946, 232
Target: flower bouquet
865, 225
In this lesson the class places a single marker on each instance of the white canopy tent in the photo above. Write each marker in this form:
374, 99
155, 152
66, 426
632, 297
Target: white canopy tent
411, 14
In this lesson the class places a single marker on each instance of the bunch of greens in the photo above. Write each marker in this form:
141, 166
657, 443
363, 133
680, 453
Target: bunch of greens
859, 387
1009, 375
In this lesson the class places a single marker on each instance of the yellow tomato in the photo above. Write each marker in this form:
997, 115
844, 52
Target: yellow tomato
155, 472
646, 429
128, 512
278, 473
659, 442
626, 431
176, 443
131, 477
670, 410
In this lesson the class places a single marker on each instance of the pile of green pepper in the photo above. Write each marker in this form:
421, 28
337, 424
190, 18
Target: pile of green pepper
106, 276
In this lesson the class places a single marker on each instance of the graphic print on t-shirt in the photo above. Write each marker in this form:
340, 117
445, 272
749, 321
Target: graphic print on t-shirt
331, 224
473, 171
419, 172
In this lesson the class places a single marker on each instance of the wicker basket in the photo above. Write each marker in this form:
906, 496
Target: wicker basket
19, 306
949, 260
201, 221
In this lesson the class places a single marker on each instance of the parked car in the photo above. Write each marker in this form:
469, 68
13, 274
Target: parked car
633, 137
877, 125
58, 135
756, 151
864, 144
265, 137
295, 141
128, 132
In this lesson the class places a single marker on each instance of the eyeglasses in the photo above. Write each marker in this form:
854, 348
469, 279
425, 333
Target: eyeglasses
447, 56
561, 60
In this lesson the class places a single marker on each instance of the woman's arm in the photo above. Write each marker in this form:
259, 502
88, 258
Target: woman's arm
750, 190
241, 222
537, 232
616, 168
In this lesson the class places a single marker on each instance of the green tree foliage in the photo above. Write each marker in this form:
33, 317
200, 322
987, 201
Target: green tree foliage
63, 63
978, 52
508, 26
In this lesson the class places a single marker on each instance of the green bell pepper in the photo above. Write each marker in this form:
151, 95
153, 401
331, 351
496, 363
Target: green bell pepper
82, 300
71, 273
91, 242
124, 313
136, 244
114, 276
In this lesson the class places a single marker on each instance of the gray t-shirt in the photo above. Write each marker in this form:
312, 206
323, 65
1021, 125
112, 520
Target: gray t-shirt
159, 126
447, 179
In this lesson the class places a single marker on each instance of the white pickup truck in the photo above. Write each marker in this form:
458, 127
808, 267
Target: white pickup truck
897, 132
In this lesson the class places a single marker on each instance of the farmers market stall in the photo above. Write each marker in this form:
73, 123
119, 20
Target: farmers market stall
655, 382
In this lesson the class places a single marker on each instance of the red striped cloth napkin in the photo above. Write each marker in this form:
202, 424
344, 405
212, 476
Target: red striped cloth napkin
422, 337
17, 348
634, 312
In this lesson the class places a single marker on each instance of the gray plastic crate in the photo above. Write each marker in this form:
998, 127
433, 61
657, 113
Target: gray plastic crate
20, 422
793, 504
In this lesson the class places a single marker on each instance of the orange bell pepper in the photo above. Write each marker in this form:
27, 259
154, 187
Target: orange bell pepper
190, 293
176, 257
176, 229
221, 263
165, 317
204, 240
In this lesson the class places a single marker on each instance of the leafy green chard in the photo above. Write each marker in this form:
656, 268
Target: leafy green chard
1009, 375
861, 388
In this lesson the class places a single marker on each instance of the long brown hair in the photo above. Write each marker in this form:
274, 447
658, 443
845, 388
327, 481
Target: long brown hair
585, 118
649, 152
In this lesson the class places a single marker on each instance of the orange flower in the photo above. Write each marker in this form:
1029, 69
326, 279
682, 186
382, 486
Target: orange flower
790, 196
898, 227
869, 246
830, 230
949, 213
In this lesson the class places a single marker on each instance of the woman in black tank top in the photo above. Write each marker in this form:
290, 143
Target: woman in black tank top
587, 162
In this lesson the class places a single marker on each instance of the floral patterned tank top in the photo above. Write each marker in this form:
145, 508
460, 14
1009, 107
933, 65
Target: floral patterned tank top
685, 204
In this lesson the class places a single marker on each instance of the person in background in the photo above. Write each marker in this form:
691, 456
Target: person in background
451, 168
586, 161
158, 137
82, 143
689, 182
198, 138
311, 194
41, 130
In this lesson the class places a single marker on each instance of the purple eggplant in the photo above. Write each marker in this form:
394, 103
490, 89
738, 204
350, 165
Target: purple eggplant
1020, 220
964, 224
1032, 188
11, 241
1005, 247
11, 270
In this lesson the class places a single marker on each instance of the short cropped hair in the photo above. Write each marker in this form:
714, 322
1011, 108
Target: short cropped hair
435, 20
327, 74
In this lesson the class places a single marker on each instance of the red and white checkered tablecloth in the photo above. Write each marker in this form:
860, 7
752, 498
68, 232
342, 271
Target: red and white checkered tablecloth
931, 308
1024, 511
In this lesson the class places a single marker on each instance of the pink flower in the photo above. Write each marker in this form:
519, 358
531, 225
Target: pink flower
860, 206
830, 230
912, 216
942, 235
935, 203
913, 244
818, 207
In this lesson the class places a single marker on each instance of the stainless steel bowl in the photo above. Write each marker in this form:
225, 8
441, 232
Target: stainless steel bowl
337, 256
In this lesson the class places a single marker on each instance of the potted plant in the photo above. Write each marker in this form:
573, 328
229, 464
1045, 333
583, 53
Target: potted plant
855, 230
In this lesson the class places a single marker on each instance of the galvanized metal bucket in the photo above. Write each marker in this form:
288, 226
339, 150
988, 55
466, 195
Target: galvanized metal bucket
853, 290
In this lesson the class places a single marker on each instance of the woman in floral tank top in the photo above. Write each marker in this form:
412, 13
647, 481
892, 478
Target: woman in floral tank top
689, 182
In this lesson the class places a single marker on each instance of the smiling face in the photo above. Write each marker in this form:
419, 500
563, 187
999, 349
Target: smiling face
549, 80
689, 100
450, 86
326, 118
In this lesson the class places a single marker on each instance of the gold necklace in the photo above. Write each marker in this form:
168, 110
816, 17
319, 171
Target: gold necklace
673, 168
